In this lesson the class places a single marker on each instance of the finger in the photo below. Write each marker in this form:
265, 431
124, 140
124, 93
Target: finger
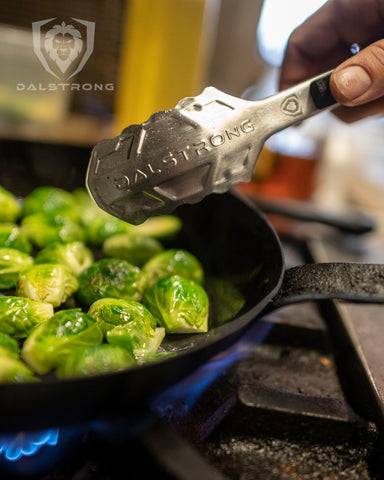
323, 41
350, 115
360, 79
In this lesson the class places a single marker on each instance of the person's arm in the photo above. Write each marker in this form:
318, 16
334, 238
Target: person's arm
323, 42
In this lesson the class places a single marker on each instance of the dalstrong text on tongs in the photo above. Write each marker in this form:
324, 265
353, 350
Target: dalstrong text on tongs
203, 145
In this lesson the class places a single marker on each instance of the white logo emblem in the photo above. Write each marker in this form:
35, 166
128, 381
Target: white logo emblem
63, 48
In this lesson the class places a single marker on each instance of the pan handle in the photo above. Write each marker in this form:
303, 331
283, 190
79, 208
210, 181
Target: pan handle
352, 282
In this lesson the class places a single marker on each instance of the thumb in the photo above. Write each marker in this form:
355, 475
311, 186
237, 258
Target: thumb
360, 79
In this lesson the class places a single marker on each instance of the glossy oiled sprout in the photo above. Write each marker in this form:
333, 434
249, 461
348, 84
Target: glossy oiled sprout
49, 343
51, 200
160, 227
12, 264
111, 277
174, 262
42, 229
74, 255
96, 360
48, 282
11, 236
13, 370
137, 249
9, 346
179, 304
129, 325
19, 315
10, 208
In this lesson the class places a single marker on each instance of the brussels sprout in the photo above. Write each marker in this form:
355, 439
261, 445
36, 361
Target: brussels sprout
104, 226
13, 370
174, 262
10, 208
47, 282
19, 315
96, 360
129, 325
11, 236
74, 255
51, 200
9, 347
86, 207
42, 229
137, 249
111, 277
49, 343
179, 304
160, 227
12, 264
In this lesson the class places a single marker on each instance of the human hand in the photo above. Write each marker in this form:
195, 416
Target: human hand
323, 42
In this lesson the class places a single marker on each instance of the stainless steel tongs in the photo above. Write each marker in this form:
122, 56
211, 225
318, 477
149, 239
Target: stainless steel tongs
203, 145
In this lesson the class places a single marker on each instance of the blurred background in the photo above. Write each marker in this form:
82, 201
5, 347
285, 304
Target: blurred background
149, 54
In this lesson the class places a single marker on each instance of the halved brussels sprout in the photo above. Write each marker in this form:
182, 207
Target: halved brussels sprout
42, 229
12, 264
51, 200
49, 343
74, 255
174, 262
13, 370
9, 346
47, 282
96, 360
160, 227
129, 325
137, 249
10, 208
19, 315
179, 304
111, 277
11, 236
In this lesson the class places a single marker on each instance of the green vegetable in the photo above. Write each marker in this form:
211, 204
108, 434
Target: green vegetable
174, 262
49, 343
160, 227
11, 236
104, 226
47, 282
10, 208
50, 200
86, 207
74, 255
12, 264
19, 315
97, 360
42, 229
111, 277
129, 325
179, 304
13, 370
137, 249
9, 347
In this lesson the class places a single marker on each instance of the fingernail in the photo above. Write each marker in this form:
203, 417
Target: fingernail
353, 82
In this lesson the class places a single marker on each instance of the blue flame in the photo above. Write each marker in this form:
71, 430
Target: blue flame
15, 446
188, 391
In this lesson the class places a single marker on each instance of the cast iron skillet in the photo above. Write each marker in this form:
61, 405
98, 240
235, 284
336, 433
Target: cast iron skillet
234, 241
